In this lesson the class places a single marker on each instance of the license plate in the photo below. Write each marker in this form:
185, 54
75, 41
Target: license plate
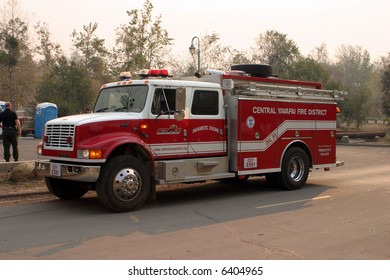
55, 169
250, 162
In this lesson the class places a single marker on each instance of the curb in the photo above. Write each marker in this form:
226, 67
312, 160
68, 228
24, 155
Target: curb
22, 194
7, 166
364, 145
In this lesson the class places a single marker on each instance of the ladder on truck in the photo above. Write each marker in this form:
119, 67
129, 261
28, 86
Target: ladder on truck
250, 88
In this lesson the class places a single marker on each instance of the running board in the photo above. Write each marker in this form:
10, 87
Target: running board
192, 170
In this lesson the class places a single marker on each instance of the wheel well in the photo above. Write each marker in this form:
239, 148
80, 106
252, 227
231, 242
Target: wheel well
134, 150
304, 147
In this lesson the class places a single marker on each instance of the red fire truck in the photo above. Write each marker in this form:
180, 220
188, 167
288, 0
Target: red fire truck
157, 130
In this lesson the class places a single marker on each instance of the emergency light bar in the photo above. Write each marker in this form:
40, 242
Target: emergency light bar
158, 72
145, 73
162, 73
125, 76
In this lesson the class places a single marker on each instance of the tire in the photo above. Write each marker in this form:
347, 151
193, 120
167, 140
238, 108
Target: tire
272, 179
255, 70
65, 189
295, 169
124, 184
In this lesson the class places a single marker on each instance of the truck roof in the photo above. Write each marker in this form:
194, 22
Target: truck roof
164, 82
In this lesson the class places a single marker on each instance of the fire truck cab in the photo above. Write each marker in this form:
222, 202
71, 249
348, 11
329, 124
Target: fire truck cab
157, 130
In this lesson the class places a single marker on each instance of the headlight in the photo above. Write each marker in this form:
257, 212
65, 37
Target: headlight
82, 153
39, 150
91, 154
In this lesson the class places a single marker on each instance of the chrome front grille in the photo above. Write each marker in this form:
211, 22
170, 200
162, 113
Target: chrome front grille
59, 137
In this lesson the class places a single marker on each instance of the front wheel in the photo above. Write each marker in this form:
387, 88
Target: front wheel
124, 184
295, 169
65, 189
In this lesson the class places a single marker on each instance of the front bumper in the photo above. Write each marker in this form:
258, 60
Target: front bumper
67, 171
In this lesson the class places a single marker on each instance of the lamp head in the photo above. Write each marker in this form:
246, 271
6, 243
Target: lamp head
192, 49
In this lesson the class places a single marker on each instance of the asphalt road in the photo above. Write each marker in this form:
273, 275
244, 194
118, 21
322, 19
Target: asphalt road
340, 214
28, 148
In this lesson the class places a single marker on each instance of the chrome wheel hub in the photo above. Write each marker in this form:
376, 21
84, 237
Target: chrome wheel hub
297, 168
127, 184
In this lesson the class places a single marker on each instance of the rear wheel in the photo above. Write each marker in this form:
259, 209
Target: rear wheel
124, 184
272, 179
295, 169
65, 189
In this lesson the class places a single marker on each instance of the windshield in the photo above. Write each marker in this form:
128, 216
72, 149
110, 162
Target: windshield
129, 98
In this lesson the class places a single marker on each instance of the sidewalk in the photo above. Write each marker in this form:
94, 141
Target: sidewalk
27, 149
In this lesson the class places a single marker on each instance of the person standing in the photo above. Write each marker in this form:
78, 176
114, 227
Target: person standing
11, 130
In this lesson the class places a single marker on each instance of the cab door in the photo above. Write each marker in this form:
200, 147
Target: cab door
206, 131
168, 137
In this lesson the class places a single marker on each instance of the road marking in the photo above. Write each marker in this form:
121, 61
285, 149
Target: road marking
134, 219
292, 202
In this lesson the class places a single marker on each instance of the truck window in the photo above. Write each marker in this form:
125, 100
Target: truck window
164, 101
205, 102
122, 99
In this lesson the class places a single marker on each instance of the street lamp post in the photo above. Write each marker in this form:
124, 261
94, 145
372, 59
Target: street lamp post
192, 51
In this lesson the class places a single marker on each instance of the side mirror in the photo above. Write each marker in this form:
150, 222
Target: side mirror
180, 103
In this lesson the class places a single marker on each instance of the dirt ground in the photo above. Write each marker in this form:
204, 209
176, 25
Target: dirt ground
371, 127
18, 193
34, 190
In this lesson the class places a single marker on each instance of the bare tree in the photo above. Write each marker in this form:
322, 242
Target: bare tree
92, 52
214, 54
15, 55
385, 83
143, 42
275, 49
50, 51
354, 69
321, 54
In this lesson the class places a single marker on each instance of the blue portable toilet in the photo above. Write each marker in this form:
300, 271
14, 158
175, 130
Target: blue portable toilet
44, 112
2, 106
